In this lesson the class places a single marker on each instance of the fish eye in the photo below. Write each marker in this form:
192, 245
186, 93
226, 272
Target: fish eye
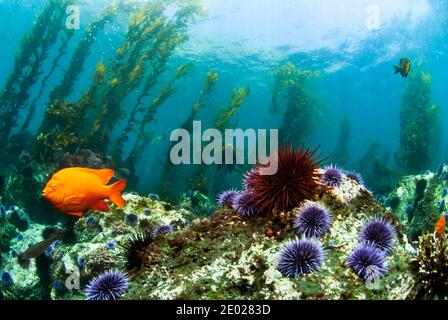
53, 186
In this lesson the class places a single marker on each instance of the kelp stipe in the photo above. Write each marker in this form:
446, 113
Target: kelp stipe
291, 88
224, 120
167, 176
34, 50
418, 121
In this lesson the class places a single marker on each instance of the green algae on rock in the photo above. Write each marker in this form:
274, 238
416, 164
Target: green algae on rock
230, 257
93, 236
225, 256
419, 199
27, 283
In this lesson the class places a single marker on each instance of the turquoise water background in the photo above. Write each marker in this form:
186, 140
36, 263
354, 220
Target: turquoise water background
244, 40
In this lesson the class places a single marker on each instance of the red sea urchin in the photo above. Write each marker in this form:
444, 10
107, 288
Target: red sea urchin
295, 181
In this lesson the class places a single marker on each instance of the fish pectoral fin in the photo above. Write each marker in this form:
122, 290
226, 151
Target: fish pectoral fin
76, 214
76, 199
101, 206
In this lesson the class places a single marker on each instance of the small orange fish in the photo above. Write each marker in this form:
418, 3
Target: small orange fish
76, 190
440, 227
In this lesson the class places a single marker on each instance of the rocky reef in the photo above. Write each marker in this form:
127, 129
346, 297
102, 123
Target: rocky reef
97, 247
176, 252
226, 256
101, 236
232, 257
419, 200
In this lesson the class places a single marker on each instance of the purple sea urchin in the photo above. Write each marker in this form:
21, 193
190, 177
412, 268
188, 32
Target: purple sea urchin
162, 230
90, 220
154, 197
313, 220
80, 262
111, 245
57, 285
49, 251
355, 176
332, 176
300, 257
379, 233
109, 285
367, 262
7, 279
244, 204
131, 219
249, 178
226, 198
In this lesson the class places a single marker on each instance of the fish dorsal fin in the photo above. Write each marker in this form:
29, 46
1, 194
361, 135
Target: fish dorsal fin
104, 174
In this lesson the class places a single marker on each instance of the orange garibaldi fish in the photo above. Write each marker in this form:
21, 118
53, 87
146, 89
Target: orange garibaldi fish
76, 190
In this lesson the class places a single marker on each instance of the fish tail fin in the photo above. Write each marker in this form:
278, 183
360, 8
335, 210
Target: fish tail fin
397, 69
115, 193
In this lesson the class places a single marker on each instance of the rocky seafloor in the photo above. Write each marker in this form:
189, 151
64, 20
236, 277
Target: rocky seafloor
419, 200
228, 256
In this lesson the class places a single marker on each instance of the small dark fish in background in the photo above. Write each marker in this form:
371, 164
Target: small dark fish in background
39, 248
404, 67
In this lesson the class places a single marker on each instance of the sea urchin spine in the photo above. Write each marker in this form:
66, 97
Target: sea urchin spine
295, 181
313, 220
109, 285
355, 176
162, 230
332, 176
226, 198
300, 257
134, 248
367, 262
379, 233
244, 204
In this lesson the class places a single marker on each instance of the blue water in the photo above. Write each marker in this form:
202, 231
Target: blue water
245, 40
